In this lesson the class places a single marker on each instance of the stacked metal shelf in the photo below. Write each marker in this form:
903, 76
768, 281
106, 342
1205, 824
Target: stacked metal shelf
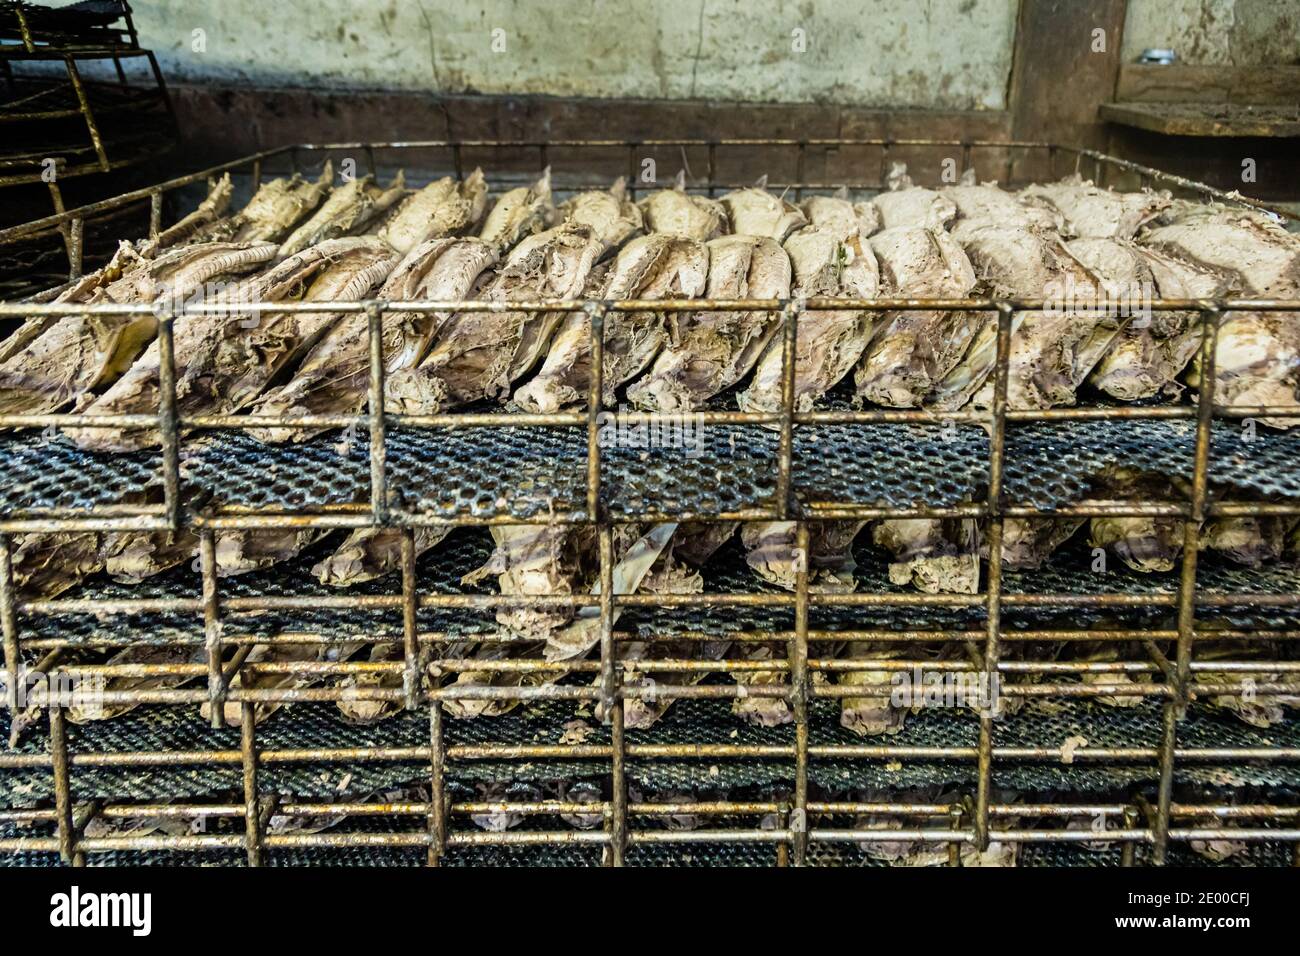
1062, 778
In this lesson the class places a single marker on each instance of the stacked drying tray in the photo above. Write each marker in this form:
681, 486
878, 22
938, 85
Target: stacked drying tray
304, 240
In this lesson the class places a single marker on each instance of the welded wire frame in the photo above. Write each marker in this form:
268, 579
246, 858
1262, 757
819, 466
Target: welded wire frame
967, 821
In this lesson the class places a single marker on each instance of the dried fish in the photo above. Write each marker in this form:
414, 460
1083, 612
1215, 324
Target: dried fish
223, 362
46, 564
478, 355
1148, 356
249, 677
828, 344
349, 209
76, 354
273, 212
518, 213
210, 210
1252, 541
445, 207
354, 706
93, 707
770, 550
756, 212
873, 714
1143, 543
986, 204
838, 217
536, 560
1257, 359
649, 267
1052, 351
577, 638
910, 353
761, 710
675, 212
708, 352
1254, 709
1093, 213
334, 378
904, 205
937, 555
241, 552
611, 216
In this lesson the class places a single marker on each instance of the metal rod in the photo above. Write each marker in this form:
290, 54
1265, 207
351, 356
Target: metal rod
799, 693
378, 445
248, 754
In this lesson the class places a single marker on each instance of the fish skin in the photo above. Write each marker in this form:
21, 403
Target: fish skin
649, 267
520, 212
674, 212
77, 354
348, 210
82, 713
275, 209
334, 378
708, 352
937, 555
828, 344
840, 218
223, 362
612, 218
911, 352
478, 355
442, 208
45, 564
757, 212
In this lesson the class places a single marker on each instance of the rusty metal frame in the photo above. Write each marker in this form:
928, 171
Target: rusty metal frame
967, 821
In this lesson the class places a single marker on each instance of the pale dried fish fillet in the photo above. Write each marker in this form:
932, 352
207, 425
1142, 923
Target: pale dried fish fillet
840, 218
656, 266
708, 352
763, 711
223, 362
873, 714
86, 711
1052, 352
478, 355
77, 354
1257, 359
757, 212
348, 209
675, 212
370, 553
828, 344
518, 213
1094, 213
1147, 357
911, 352
273, 212
937, 555
611, 216
445, 207
210, 210
334, 378
903, 205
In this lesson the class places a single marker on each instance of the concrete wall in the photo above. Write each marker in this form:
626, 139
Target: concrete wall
1216, 32
934, 54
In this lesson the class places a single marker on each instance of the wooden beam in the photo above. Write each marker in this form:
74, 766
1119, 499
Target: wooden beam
1059, 78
